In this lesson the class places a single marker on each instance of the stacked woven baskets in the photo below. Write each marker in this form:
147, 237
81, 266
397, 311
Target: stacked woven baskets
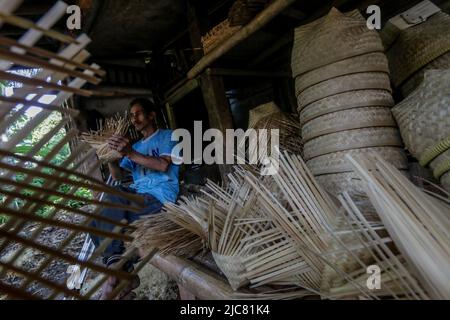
424, 121
344, 98
425, 46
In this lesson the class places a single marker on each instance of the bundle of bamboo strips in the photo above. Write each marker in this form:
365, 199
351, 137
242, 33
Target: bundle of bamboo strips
418, 222
117, 125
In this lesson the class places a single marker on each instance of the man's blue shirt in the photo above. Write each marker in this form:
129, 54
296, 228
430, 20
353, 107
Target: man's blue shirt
162, 185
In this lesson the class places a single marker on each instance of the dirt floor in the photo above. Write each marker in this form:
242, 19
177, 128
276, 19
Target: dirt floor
155, 285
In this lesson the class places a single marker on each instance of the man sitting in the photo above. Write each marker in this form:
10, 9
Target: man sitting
155, 177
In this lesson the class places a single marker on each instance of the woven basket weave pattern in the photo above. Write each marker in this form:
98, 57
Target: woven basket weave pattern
347, 120
441, 63
345, 101
371, 62
333, 38
357, 81
418, 46
337, 162
424, 116
233, 268
352, 139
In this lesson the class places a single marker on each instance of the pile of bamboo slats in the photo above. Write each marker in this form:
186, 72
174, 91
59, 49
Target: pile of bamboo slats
284, 231
64, 72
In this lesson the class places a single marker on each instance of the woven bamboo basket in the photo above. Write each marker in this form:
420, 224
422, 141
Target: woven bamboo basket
417, 46
337, 162
424, 116
370, 62
352, 82
352, 139
358, 118
441, 63
218, 34
268, 116
335, 37
441, 169
233, 268
445, 181
346, 101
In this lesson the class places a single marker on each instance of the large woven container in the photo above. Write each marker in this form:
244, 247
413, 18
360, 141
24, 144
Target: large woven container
417, 46
333, 38
346, 101
337, 162
424, 118
268, 116
351, 82
371, 62
344, 97
358, 118
441, 63
352, 139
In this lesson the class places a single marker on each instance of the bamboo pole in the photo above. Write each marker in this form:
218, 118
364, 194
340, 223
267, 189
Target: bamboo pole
261, 20
202, 283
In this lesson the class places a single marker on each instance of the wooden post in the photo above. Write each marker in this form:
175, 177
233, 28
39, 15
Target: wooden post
219, 112
216, 102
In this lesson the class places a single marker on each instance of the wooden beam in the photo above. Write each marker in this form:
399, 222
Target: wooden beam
257, 23
247, 73
180, 91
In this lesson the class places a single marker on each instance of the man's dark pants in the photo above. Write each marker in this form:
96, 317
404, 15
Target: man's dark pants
116, 248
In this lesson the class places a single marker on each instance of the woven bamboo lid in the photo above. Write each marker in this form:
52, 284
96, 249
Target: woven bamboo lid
352, 139
417, 46
351, 82
357, 118
333, 38
338, 163
233, 268
261, 112
441, 63
424, 116
445, 181
346, 101
370, 62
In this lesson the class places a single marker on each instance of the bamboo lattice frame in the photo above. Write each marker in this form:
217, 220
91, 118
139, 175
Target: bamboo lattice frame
65, 66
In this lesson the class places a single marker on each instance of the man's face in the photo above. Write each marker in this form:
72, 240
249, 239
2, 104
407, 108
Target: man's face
139, 119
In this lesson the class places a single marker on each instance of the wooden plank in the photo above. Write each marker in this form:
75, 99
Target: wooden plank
257, 23
181, 91
247, 73
26, 24
48, 54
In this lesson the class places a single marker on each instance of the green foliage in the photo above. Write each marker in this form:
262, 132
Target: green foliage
24, 148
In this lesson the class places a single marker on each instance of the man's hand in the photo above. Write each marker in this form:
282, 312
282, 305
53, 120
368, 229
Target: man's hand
120, 144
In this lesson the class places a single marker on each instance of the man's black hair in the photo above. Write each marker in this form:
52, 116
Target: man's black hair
146, 104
